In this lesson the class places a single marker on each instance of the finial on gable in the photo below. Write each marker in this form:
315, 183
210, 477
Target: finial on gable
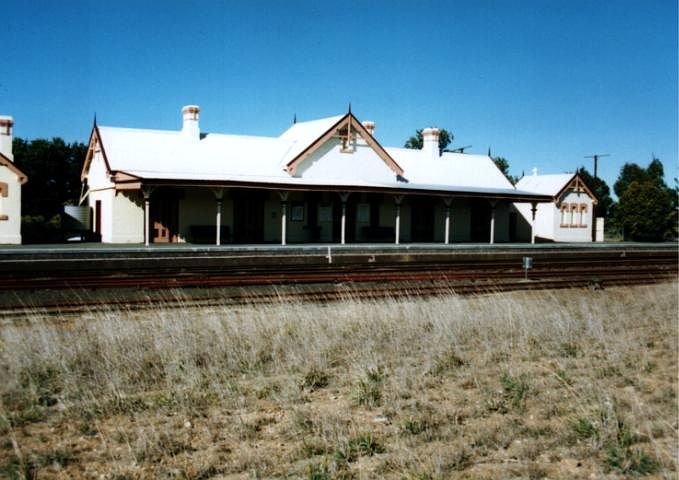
95, 119
489, 154
349, 107
294, 119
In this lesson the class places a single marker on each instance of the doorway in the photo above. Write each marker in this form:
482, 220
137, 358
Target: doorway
422, 219
248, 216
164, 216
480, 220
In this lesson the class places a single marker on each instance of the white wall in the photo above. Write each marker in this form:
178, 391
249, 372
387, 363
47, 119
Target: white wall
362, 165
574, 233
10, 206
128, 217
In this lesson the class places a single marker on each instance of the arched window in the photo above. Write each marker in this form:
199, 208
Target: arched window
564, 214
583, 215
573, 215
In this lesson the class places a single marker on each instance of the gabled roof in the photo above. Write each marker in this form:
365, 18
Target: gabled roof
343, 126
6, 162
554, 185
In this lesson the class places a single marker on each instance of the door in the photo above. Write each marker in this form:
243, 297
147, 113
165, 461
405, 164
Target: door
422, 219
513, 221
248, 216
164, 213
480, 220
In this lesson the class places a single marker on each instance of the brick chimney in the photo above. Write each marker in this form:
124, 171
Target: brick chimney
190, 128
430, 141
370, 127
6, 127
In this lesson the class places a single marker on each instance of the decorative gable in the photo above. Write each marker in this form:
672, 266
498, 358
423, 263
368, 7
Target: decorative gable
577, 185
345, 133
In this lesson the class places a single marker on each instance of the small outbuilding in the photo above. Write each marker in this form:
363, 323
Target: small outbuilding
568, 217
11, 180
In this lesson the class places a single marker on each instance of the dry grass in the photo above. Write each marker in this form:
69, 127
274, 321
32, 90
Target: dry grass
557, 384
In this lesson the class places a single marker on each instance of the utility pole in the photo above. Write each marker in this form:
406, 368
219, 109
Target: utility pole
596, 158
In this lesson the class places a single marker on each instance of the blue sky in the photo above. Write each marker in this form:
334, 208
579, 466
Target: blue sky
542, 82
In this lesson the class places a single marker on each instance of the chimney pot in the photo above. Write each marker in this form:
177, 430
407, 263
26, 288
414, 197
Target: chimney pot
190, 127
6, 134
370, 127
430, 141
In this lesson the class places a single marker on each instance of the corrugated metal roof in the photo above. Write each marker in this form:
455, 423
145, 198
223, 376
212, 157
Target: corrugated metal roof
544, 184
170, 155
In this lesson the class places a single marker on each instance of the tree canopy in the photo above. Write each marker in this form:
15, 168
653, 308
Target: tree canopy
600, 189
647, 207
631, 172
53, 170
416, 141
502, 164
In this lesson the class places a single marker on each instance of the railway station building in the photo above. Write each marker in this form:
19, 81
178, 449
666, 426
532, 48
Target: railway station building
320, 181
11, 180
569, 217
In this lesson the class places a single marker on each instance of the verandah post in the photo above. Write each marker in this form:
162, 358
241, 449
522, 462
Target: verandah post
534, 207
397, 227
446, 235
284, 215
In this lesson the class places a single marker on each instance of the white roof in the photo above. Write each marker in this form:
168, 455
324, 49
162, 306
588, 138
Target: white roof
460, 169
544, 184
170, 155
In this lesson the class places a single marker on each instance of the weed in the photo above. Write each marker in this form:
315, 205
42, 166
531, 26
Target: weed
563, 376
447, 362
630, 461
362, 444
368, 390
319, 471
568, 349
516, 389
417, 425
18, 469
584, 429
315, 379
59, 457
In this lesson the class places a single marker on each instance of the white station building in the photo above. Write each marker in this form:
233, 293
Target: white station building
322, 181
11, 180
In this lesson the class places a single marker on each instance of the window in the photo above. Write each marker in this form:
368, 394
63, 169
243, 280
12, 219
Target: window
573, 215
564, 214
583, 215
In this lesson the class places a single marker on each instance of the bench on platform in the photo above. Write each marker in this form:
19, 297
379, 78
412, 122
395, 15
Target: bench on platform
208, 234
379, 234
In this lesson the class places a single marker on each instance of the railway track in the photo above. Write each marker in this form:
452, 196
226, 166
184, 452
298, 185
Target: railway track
67, 285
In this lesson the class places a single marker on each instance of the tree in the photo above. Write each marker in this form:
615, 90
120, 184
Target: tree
53, 170
416, 141
631, 172
647, 207
502, 164
645, 212
601, 190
